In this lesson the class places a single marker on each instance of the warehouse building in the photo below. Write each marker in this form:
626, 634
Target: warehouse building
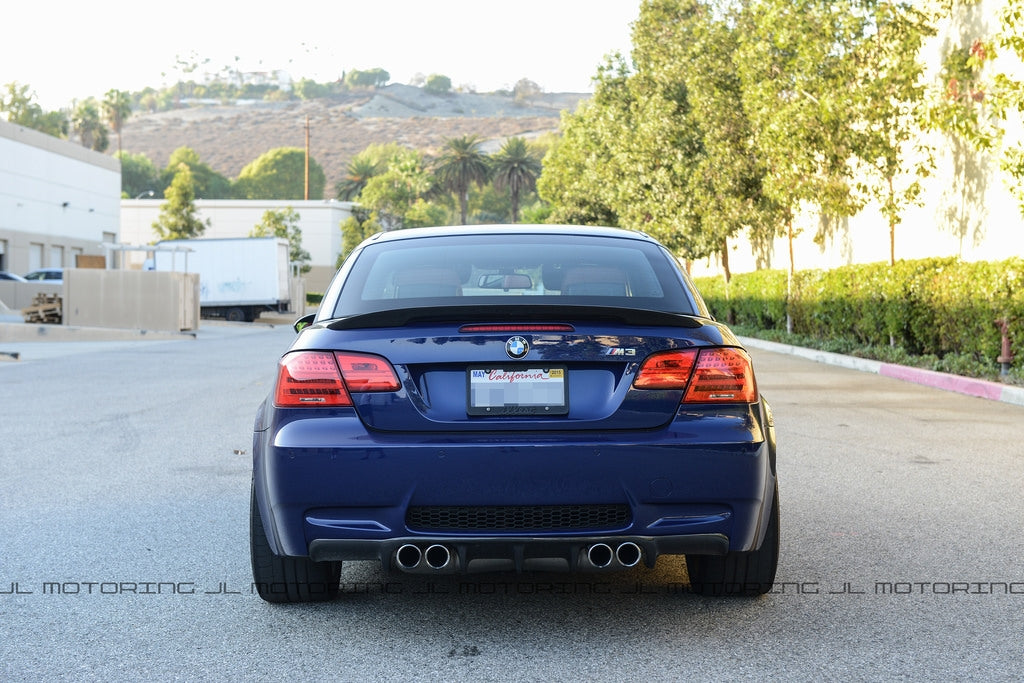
58, 201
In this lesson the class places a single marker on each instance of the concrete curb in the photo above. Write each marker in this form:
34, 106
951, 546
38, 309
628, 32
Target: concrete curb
27, 332
993, 391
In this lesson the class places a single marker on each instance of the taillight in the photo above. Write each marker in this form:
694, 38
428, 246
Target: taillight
723, 375
364, 373
717, 375
666, 370
323, 378
310, 378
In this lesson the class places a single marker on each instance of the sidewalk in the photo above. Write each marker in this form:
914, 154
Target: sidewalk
994, 391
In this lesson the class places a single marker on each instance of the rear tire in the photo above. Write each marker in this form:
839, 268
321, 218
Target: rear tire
747, 574
279, 578
236, 315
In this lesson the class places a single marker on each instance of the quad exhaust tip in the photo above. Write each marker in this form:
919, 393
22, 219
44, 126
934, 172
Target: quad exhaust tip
408, 556
628, 554
437, 556
601, 555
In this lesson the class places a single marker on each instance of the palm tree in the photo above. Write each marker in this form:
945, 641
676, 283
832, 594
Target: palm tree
461, 165
117, 107
358, 172
85, 122
515, 169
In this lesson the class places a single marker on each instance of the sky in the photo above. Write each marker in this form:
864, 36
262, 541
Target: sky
66, 51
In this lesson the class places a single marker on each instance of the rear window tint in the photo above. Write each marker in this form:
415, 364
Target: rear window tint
512, 269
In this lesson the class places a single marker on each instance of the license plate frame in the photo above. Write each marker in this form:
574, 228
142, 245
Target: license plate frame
510, 390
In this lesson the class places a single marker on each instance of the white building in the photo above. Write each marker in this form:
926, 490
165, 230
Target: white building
319, 220
58, 200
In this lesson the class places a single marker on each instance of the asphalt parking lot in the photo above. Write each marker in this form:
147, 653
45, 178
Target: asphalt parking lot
124, 483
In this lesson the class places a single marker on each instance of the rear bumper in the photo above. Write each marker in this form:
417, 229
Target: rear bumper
330, 490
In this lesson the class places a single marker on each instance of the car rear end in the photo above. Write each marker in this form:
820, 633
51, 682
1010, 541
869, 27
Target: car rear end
514, 399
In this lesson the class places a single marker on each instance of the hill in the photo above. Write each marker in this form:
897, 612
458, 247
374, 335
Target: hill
229, 136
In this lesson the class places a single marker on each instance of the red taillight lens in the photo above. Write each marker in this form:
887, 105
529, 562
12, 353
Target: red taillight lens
365, 373
666, 370
720, 375
323, 378
310, 378
723, 375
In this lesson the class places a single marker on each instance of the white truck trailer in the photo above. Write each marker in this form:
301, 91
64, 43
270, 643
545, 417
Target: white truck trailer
239, 278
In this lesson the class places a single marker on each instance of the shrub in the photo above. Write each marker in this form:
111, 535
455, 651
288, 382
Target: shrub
941, 309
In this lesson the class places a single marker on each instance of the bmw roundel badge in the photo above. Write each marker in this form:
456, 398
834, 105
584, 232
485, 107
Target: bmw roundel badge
517, 347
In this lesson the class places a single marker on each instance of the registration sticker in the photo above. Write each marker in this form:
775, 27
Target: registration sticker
517, 391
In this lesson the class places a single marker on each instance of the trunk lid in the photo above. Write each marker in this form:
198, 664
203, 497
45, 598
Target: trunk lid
463, 377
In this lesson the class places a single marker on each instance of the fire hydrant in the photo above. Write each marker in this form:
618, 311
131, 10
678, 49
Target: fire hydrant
1005, 353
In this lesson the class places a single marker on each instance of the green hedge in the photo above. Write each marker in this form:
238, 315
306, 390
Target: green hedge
934, 306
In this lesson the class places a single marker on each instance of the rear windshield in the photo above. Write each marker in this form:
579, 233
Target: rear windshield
517, 269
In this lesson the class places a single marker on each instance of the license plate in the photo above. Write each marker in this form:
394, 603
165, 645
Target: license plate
517, 391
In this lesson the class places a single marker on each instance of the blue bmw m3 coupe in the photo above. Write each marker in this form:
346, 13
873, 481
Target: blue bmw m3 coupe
513, 398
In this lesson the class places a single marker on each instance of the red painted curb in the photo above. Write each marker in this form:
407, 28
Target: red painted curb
941, 380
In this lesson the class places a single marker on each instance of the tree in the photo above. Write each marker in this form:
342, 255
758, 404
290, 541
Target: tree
793, 63
284, 223
397, 197
515, 168
360, 169
437, 84
888, 100
354, 230
307, 89
579, 167
117, 107
525, 91
208, 184
628, 155
21, 108
280, 174
683, 55
138, 175
86, 124
461, 165
178, 215
1008, 93
656, 147
977, 101
373, 78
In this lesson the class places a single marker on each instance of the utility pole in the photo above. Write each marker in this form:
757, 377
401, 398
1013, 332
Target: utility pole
306, 195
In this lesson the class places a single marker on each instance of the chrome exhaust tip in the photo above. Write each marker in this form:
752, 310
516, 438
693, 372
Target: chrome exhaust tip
437, 556
600, 555
408, 557
628, 554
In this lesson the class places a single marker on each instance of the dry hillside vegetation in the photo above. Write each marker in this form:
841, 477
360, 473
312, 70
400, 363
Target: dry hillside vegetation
227, 137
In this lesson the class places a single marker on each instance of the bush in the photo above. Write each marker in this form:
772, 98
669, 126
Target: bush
757, 299
939, 309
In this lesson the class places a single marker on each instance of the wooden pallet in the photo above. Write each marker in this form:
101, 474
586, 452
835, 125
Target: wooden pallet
45, 308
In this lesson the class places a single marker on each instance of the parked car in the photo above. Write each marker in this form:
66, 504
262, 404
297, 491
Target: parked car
50, 275
512, 398
4, 275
